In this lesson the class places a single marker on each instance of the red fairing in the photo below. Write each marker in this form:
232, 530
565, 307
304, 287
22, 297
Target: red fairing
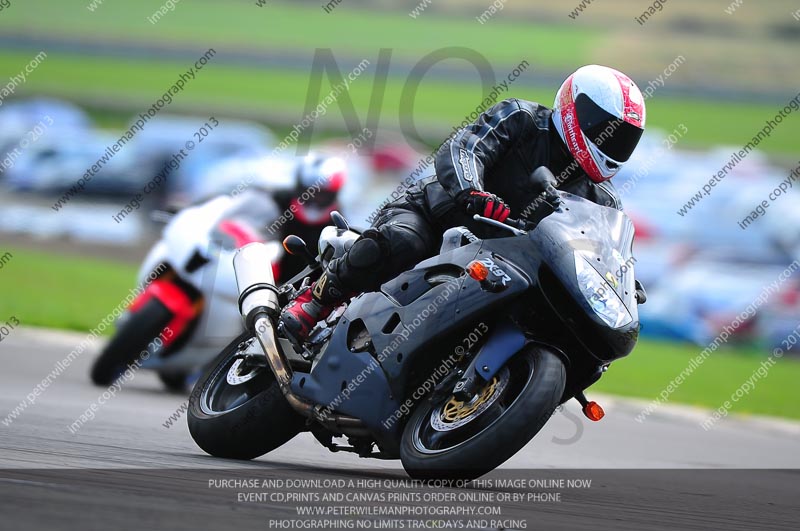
176, 300
240, 233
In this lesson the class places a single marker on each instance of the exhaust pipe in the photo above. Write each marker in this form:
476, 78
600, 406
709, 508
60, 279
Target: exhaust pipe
265, 332
257, 292
258, 304
280, 365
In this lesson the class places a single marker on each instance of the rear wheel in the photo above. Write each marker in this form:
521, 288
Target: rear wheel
466, 440
130, 341
237, 411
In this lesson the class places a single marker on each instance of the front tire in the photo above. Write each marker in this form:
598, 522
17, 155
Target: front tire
174, 382
130, 341
244, 419
451, 439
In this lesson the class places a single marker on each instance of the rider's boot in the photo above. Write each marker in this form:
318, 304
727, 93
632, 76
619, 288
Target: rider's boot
312, 305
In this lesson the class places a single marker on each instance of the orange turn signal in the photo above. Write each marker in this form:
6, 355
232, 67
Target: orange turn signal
477, 271
593, 411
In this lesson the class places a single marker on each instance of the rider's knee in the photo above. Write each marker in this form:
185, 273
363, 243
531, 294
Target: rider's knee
410, 244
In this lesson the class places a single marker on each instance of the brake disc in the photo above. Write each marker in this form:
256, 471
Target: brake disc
236, 374
453, 414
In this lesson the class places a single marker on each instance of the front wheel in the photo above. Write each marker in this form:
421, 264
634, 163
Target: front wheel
174, 382
130, 341
465, 440
238, 411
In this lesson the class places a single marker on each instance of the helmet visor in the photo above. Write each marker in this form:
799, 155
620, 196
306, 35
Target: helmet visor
615, 137
322, 199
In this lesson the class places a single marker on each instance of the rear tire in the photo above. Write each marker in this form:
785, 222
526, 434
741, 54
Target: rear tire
527, 392
131, 339
242, 421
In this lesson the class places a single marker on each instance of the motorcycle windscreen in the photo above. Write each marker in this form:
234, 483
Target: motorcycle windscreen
601, 236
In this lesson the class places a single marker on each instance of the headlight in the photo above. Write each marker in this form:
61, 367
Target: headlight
600, 295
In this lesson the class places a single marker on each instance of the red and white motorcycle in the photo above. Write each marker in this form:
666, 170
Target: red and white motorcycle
187, 308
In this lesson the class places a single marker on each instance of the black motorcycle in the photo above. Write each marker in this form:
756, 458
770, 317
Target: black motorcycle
452, 366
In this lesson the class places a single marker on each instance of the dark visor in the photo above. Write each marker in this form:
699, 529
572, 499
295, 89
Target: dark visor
322, 199
615, 137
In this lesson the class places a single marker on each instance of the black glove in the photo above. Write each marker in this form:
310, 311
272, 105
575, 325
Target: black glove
483, 203
544, 185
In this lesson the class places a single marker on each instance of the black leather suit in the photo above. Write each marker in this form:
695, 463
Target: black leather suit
497, 154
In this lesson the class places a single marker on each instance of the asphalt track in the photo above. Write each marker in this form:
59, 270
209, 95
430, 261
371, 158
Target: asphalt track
125, 469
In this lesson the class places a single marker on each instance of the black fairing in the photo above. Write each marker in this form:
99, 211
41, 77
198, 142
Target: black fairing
604, 238
412, 316
388, 341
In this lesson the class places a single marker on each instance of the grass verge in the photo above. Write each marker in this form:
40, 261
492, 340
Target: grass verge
654, 364
65, 292
74, 293
139, 83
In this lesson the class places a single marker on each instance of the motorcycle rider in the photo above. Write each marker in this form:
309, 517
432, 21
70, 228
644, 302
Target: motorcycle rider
596, 122
307, 208
303, 209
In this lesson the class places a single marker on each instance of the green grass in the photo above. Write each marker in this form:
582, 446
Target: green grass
349, 30
75, 293
70, 293
301, 28
244, 90
653, 365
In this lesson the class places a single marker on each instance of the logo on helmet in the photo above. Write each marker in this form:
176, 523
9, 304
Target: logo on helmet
572, 131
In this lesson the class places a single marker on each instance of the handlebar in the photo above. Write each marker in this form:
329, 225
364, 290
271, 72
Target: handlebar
516, 226
520, 224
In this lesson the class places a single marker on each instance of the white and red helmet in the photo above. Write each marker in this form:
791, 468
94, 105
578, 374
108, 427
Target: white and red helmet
599, 114
319, 179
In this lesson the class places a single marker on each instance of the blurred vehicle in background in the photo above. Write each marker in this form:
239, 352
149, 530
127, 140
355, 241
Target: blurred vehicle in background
698, 301
19, 117
306, 190
702, 268
236, 173
56, 161
183, 317
165, 136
